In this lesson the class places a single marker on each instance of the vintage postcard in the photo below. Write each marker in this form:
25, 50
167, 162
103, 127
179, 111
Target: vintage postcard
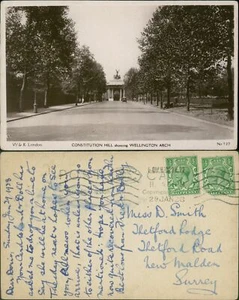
113, 225
119, 75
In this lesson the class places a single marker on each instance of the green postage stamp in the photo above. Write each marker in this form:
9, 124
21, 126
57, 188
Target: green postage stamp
182, 175
218, 175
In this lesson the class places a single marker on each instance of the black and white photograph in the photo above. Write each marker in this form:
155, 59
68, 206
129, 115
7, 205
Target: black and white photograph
119, 75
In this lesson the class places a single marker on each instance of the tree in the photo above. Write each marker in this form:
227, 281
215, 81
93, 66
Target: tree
131, 82
72, 80
188, 42
158, 47
57, 41
22, 57
99, 81
87, 70
225, 47
197, 40
86, 76
40, 43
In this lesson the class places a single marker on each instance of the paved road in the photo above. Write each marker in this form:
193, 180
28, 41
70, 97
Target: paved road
114, 121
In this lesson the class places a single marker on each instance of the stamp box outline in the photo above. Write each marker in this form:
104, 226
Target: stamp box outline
187, 174
214, 183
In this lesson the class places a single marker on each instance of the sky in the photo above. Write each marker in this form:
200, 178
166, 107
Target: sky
111, 30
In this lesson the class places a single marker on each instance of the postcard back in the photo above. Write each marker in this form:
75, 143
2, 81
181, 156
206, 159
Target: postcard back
119, 225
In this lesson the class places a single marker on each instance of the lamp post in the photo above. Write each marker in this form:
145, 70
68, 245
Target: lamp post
35, 100
77, 97
37, 88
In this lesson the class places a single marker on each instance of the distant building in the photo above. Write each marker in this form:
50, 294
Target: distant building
115, 88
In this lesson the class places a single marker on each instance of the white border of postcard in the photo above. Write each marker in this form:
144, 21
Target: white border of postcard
227, 144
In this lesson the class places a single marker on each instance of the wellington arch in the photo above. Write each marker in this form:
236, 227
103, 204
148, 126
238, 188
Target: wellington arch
115, 88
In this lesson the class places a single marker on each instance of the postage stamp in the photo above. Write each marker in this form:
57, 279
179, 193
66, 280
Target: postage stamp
218, 175
182, 175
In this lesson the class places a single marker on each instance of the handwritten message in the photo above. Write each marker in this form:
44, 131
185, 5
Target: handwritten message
66, 236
